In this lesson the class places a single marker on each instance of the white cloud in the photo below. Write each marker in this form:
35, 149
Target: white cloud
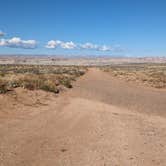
53, 44
17, 42
88, 46
70, 45
2, 42
105, 48
58, 43
91, 46
2, 33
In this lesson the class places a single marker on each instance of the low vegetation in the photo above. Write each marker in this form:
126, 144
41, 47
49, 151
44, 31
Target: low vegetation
33, 77
153, 75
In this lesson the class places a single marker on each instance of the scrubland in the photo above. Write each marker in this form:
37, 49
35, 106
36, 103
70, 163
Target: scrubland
97, 122
153, 75
34, 77
56, 78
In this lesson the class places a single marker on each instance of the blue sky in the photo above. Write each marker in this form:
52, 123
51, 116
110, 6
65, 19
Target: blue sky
83, 27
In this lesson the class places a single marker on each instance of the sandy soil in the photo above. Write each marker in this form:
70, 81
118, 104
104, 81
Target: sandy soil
102, 121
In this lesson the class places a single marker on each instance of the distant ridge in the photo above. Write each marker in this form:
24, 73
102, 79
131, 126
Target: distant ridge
76, 60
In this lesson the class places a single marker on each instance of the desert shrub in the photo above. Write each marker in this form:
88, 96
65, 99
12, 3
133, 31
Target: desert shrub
66, 81
49, 86
31, 83
2, 74
13, 84
3, 86
45, 77
149, 74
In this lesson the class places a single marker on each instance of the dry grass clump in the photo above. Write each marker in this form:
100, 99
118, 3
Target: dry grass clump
153, 75
32, 77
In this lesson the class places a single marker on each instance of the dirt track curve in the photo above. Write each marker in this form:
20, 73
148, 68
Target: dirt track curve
100, 122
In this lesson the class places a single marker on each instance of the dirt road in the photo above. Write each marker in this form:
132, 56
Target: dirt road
100, 122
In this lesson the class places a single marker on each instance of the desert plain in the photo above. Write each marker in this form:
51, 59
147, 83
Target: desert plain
82, 112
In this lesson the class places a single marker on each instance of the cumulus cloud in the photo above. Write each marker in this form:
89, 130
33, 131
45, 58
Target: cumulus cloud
53, 44
86, 46
91, 46
105, 48
58, 43
68, 45
2, 33
17, 42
